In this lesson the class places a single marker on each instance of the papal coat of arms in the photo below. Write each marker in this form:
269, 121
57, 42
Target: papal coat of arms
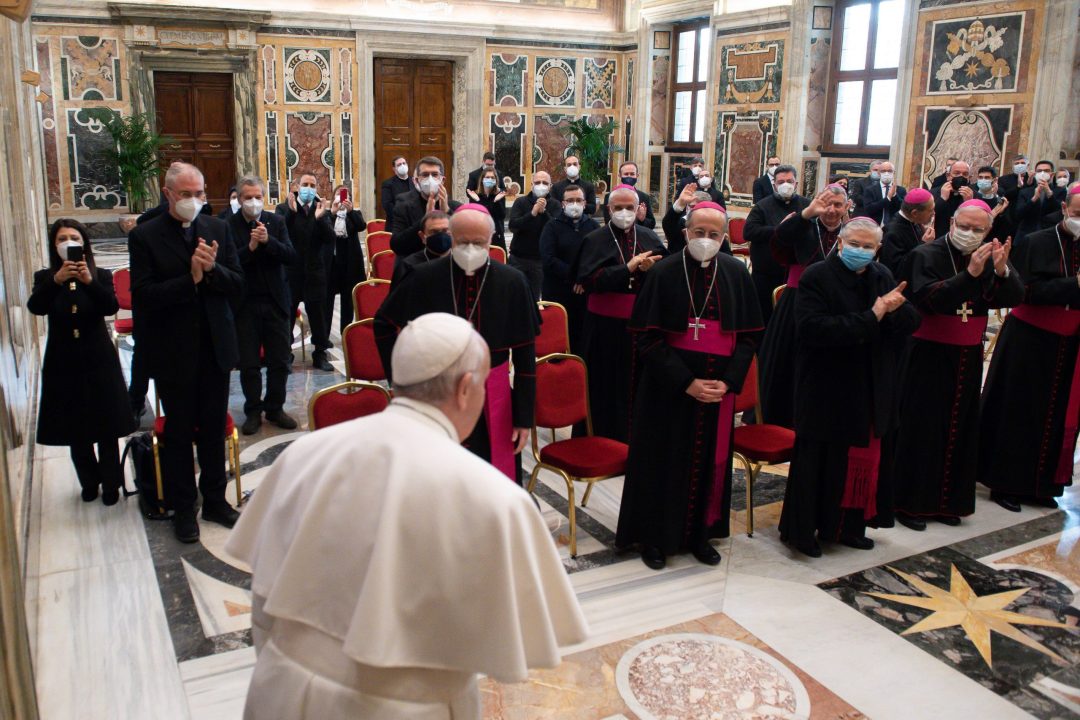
976, 55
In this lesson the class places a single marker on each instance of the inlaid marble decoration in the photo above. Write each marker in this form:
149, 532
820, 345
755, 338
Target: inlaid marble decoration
273, 165
309, 148
630, 83
47, 119
506, 138
507, 79
750, 72
659, 98
345, 65
656, 185
346, 175
743, 141
94, 183
975, 54
90, 68
809, 178
850, 169
678, 167
307, 75
555, 83
549, 142
268, 61
980, 136
815, 100
599, 82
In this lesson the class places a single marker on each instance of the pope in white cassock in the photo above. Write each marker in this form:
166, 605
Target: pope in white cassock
390, 566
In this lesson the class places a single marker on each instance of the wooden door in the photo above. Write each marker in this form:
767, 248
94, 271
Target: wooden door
414, 113
196, 111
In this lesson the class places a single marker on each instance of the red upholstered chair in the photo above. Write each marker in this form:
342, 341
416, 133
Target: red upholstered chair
362, 361
382, 265
376, 225
554, 334
345, 401
739, 246
122, 327
377, 242
776, 293
497, 254
562, 399
232, 452
368, 296
756, 446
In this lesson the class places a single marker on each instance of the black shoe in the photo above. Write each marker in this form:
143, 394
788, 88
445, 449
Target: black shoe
911, 522
220, 512
706, 553
279, 418
811, 549
950, 520
859, 543
89, 494
1044, 502
653, 558
110, 495
319, 362
1006, 501
252, 423
185, 526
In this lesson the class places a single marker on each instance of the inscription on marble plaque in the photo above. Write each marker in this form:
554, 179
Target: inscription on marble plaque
192, 38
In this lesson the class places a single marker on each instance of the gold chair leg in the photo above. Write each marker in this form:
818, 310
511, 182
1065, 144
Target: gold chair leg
749, 492
303, 349
533, 478
588, 491
572, 513
991, 344
234, 460
157, 469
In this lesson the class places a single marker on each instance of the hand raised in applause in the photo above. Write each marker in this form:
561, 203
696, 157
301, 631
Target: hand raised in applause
1000, 208
890, 301
322, 208
707, 391
472, 195
977, 263
539, 206
642, 211
818, 205
642, 261
1000, 254
259, 236
685, 197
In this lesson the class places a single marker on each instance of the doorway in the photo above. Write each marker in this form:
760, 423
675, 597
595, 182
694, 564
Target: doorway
414, 112
195, 110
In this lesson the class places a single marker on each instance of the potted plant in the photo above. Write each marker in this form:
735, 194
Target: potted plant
135, 156
593, 147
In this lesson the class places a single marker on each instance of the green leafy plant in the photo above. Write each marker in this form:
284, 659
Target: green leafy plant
592, 146
135, 155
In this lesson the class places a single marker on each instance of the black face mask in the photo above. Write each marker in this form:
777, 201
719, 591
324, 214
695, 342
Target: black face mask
439, 242
959, 182
631, 181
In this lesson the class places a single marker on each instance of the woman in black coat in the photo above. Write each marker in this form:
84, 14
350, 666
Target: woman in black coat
487, 193
83, 396
347, 264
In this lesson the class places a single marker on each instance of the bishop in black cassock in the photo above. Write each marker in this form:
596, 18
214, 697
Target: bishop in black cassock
1031, 400
953, 281
695, 351
851, 321
908, 229
611, 267
496, 299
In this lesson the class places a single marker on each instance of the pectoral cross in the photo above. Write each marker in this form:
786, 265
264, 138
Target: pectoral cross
963, 312
696, 325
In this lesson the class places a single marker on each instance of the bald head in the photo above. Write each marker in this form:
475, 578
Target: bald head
623, 198
972, 218
960, 169
707, 219
471, 227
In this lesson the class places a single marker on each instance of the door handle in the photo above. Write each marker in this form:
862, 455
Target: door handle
175, 146
395, 139
215, 146
432, 139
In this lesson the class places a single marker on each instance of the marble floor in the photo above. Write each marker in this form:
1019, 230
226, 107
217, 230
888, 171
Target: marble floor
978, 620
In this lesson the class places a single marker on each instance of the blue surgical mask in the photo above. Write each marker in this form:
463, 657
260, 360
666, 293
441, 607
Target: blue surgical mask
489, 183
306, 194
856, 258
631, 181
439, 242
984, 185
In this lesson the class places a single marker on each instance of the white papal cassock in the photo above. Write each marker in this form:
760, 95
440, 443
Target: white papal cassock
390, 567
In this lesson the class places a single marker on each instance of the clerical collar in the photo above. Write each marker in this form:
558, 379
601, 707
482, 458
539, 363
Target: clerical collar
904, 215
432, 414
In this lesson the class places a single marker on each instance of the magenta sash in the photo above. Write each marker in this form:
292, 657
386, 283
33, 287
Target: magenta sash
860, 484
1059, 321
612, 304
712, 340
951, 330
500, 421
794, 272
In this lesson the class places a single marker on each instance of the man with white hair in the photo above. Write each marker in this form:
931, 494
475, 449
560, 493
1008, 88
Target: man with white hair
953, 281
185, 280
852, 321
496, 299
390, 566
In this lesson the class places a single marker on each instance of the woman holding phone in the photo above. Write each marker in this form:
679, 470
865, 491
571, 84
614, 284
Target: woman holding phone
83, 395
347, 265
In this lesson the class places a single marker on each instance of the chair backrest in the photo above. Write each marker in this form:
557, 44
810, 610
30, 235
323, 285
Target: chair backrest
377, 242
497, 254
562, 391
346, 401
362, 361
735, 230
554, 334
376, 225
748, 398
368, 296
122, 285
382, 265
776, 293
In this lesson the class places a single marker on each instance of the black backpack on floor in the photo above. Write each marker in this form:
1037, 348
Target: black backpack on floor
141, 449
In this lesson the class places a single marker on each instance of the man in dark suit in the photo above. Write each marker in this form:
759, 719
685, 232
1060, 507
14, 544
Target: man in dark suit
572, 167
761, 223
948, 197
428, 193
882, 200
488, 163
859, 186
392, 187
262, 320
697, 167
1036, 202
1009, 185
628, 175
185, 277
763, 186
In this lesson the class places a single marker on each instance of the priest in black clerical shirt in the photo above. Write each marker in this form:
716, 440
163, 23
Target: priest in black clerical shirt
572, 168
428, 193
393, 186
560, 244
628, 176
435, 235
695, 348
852, 321
760, 226
497, 301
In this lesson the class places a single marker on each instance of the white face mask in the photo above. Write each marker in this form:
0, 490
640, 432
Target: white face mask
541, 189
62, 248
253, 207
886, 177
573, 210
771, 170
1020, 168
695, 171
573, 171
1042, 176
189, 208
402, 170
470, 257
704, 181
623, 219
235, 205
703, 249
1062, 181
430, 185
966, 241
1072, 224
785, 190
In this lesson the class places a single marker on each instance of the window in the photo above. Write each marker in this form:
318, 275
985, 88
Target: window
862, 88
689, 75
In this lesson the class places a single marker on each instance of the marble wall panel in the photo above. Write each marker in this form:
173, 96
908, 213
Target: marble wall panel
306, 75
273, 164
750, 72
977, 136
507, 79
820, 48
975, 54
630, 82
550, 144
555, 82
47, 118
506, 133
309, 148
809, 177
91, 68
744, 140
656, 185
678, 167
600, 79
346, 164
95, 184
658, 114
345, 66
268, 65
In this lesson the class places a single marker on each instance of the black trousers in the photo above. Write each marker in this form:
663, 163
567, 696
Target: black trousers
533, 269
315, 303
339, 288
195, 401
262, 324
140, 378
103, 470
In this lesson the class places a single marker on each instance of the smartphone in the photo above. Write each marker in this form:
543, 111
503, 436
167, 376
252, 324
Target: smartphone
342, 195
75, 253
959, 182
